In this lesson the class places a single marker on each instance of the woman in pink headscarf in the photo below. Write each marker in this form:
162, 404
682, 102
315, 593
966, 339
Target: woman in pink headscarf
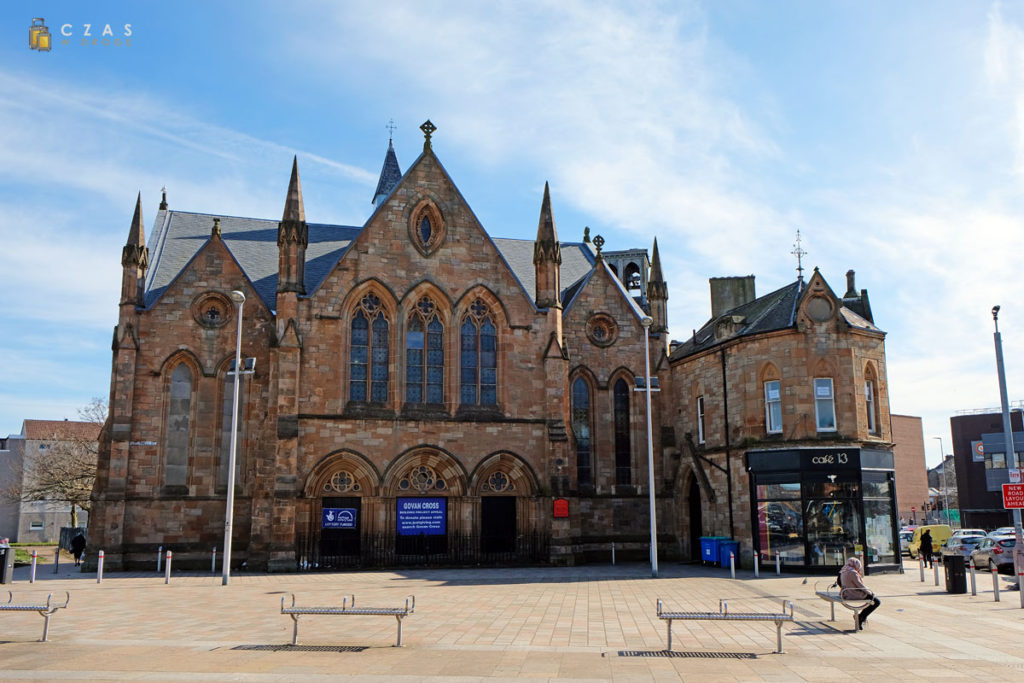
851, 585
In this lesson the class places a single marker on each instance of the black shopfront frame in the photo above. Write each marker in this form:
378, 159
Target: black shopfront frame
839, 490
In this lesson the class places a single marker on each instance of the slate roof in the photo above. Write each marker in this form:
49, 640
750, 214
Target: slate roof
773, 311
179, 235
390, 174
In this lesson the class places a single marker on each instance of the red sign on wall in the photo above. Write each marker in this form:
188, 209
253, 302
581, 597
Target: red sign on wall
1013, 496
561, 507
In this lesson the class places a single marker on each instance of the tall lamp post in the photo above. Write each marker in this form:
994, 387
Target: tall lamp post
239, 299
945, 495
1011, 454
647, 321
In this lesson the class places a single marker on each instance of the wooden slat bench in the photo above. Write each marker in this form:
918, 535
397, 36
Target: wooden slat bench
399, 613
723, 614
45, 611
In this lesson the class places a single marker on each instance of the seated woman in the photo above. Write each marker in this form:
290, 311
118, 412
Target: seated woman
851, 585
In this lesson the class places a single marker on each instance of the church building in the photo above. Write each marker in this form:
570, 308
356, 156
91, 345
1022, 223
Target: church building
421, 390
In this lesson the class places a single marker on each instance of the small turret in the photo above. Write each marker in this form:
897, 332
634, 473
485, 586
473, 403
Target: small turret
292, 239
547, 257
657, 293
134, 261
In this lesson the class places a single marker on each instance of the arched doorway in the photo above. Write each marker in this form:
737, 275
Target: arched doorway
696, 519
505, 485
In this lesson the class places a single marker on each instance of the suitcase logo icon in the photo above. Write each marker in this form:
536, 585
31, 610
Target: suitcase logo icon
39, 36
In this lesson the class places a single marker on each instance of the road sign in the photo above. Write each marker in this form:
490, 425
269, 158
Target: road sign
1013, 496
1014, 473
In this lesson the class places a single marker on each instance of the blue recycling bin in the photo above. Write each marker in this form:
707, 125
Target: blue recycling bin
709, 548
724, 548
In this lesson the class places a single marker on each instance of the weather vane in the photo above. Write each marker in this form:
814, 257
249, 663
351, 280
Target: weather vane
799, 252
391, 129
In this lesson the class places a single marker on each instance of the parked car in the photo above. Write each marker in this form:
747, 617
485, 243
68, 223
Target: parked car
962, 545
1002, 531
905, 538
940, 534
995, 551
969, 532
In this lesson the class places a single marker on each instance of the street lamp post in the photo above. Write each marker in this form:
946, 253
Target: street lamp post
239, 299
945, 489
646, 321
1011, 454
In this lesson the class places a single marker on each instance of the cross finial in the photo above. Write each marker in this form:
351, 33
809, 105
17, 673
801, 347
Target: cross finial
799, 252
391, 129
428, 128
599, 242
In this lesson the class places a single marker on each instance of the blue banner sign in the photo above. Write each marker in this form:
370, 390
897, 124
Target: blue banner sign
339, 518
421, 516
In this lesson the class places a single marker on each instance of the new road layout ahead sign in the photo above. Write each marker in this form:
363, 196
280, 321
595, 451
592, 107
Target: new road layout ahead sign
1013, 496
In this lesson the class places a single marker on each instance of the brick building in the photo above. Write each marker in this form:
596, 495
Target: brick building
981, 466
421, 389
911, 471
782, 421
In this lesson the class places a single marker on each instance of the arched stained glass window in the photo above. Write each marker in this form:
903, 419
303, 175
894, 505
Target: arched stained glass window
368, 355
623, 451
424, 355
179, 426
426, 231
479, 357
581, 429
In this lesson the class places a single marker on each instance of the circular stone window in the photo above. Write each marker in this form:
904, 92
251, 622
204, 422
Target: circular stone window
819, 309
602, 330
211, 310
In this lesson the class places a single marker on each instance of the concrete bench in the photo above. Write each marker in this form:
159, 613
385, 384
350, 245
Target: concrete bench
45, 611
723, 614
399, 613
834, 596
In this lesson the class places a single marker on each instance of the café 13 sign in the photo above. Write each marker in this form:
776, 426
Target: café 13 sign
833, 459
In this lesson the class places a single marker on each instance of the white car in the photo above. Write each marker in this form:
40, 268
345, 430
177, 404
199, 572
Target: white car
969, 532
1002, 531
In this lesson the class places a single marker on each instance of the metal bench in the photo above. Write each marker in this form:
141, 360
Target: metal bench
723, 614
349, 608
834, 597
45, 611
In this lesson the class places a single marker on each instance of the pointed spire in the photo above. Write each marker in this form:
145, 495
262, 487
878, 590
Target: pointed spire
546, 225
390, 174
293, 209
137, 235
547, 257
656, 275
657, 293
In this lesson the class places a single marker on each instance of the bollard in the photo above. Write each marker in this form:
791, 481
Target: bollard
167, 569
613, 553
213, 561
974, 586
935, 570
32, 576
757, 565
159, 557
778, 563
99, 567
921, 559
56, 560
1020, 587
995, 584
732, 564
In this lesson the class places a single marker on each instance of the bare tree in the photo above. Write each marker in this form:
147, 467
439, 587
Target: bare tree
65, 474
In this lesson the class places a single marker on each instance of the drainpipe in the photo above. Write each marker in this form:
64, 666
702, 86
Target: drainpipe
728, 453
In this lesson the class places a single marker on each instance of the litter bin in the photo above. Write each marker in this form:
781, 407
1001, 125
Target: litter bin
726, 547
6, 563
956, 574
709, 548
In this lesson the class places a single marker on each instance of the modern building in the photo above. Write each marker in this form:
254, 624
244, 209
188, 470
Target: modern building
782, 415
979, 456
39, 521
911, 469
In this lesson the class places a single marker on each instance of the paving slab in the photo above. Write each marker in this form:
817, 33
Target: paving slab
591, 623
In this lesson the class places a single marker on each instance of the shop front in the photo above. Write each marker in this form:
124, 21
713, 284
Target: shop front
815, 507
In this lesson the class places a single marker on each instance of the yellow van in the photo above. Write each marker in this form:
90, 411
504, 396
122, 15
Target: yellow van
940, 536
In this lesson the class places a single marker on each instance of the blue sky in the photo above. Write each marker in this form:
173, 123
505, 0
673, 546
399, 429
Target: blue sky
890, 134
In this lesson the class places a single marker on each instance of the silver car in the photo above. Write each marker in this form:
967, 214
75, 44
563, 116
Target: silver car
962, 545
995, 552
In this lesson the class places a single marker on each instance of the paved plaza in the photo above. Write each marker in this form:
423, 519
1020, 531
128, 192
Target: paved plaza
580, 623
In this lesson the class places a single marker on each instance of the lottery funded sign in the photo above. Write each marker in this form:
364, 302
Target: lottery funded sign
1013, 496
338, 518
422, 516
